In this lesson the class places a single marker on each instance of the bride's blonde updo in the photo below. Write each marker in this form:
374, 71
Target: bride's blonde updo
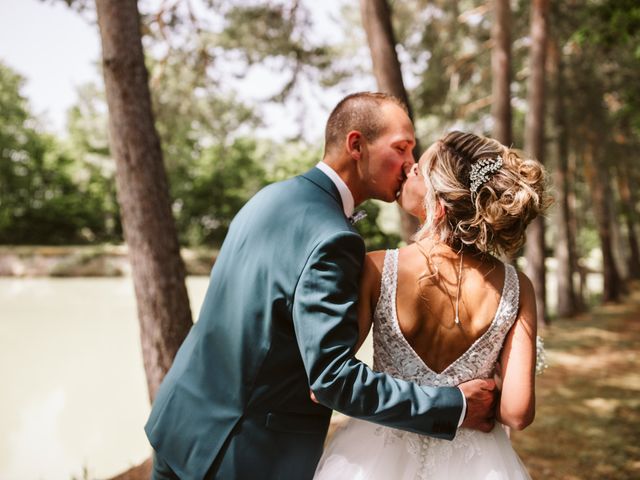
494, 218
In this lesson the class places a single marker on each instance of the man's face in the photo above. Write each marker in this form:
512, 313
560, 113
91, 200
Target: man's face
388, 157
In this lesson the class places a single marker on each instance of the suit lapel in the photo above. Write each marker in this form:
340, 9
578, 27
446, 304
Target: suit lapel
317, 177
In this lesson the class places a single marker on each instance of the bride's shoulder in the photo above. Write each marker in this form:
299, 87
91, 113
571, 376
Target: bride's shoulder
526, 285
372, 274
527, 301
375, 260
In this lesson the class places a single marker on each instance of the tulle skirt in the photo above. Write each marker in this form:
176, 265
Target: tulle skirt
360, 450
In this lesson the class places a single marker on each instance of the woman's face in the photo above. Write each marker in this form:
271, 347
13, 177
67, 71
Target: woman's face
413, 191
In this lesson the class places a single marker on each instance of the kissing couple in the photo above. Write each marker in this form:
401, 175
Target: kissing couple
293, 294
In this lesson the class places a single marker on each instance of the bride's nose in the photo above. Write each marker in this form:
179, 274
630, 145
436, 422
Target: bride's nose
412, 170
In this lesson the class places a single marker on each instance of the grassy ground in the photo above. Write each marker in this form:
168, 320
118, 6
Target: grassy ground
588, 401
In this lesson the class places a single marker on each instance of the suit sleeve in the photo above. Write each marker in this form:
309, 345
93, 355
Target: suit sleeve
325, 320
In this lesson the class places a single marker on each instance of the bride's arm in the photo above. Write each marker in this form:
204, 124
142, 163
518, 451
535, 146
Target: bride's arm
518, 359
369, 293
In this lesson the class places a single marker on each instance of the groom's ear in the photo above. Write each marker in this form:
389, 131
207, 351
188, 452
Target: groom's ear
354, 144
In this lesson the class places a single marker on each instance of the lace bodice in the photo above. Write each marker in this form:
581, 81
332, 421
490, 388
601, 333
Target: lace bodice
393, 354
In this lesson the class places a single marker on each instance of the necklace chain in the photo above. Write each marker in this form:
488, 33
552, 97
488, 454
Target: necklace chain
427, 256
457, 319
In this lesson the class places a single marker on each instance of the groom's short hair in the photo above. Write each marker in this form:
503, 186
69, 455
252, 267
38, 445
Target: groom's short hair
359, 111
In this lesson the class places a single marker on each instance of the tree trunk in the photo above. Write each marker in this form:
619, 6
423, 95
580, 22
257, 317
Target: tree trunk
627, 197
618, 244
598, 180
564, 241
376, 19
576, 267
534, 145
501, 72
143, 195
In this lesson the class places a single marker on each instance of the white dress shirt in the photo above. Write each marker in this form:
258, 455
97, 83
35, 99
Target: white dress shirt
348, 206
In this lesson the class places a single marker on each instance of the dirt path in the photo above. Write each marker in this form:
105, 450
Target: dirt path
587, 423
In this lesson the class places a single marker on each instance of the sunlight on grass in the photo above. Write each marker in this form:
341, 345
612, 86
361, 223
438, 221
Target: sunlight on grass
587, 423
602, 406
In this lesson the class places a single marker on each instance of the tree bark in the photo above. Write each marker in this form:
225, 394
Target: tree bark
598, 179
534, 145
376, 19
564, 242
576, 266
501, 72
143, 195
618, 243
627, 197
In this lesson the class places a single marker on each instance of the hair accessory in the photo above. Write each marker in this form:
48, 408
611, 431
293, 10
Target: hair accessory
482, 171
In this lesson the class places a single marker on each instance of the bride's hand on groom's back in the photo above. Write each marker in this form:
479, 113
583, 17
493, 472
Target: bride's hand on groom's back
481, 396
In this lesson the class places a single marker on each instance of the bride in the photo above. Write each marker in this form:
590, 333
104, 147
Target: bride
445, 310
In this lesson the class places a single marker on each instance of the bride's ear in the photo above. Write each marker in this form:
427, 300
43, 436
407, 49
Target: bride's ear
441, 210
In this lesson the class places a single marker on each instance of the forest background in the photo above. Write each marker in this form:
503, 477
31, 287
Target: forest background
558, 79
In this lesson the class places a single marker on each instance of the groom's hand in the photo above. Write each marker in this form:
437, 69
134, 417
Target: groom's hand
313, 397
481, 398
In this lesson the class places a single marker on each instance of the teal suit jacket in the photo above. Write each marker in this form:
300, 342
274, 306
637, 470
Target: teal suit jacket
279, 318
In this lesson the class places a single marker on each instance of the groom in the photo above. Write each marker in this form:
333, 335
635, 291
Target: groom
279, 318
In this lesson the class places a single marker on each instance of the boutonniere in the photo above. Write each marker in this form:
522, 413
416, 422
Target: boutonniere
357, 216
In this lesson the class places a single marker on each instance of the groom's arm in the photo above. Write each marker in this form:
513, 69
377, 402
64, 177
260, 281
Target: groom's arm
325, 319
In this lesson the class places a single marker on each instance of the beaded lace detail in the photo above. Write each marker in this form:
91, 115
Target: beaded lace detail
393, 354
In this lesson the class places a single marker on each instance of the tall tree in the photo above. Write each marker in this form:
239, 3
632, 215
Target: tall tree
599, 179
629, 202
148, 225
376, 19
534, 145
574, 221
565, 250
501, 72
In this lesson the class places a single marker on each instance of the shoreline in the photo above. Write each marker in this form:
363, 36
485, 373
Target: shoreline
27, 261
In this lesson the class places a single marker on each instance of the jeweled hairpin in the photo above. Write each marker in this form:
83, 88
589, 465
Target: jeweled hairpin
482, 171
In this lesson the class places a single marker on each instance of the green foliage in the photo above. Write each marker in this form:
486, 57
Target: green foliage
213, 190
88, 144
449, 57
278, 35
611, 24
374, 237
289, 159
40, 200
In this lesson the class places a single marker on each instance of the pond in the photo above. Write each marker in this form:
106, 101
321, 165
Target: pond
74, 393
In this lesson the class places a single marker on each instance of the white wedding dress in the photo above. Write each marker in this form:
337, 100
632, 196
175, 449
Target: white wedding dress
362, 450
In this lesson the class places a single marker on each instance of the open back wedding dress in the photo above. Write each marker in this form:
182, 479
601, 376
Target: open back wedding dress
362, 450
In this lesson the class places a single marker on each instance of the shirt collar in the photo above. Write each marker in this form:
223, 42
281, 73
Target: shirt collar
346, 196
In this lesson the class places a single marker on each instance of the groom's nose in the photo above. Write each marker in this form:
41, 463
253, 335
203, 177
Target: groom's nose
408, 163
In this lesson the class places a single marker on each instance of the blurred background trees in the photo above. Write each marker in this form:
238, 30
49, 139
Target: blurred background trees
46, 194
462, 64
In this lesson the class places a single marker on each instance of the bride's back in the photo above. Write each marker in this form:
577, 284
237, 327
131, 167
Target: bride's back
427, 294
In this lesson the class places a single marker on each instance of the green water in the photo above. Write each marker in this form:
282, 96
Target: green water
74, 392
